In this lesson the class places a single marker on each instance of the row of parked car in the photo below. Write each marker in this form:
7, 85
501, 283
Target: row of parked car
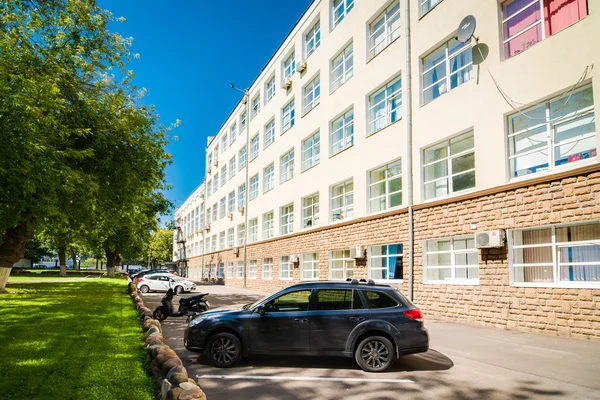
161, 280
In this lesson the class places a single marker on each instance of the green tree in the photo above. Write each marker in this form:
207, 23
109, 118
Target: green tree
160, 247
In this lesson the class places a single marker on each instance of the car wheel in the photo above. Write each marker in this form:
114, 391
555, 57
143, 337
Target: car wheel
144, 289
178, 289
375, 354
224, 350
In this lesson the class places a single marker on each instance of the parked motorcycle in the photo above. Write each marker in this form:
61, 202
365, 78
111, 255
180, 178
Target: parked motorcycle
188, 306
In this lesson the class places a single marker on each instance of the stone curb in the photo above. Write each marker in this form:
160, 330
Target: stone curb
165, 366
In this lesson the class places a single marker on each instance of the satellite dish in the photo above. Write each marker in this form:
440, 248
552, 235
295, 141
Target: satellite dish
466, 29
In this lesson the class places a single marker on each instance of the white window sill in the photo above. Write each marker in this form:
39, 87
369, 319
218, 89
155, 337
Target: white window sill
451, 195
562, 285
559, 169
474, 282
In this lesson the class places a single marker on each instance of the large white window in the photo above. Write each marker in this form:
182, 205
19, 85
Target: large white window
230, 237
243, 121
269, 133
222, 208
253, 230
312, 39
216, 183
268, 225
449, 167
451, 260
242, 195
216, 154
208, 189
341, 265
229, 270
240, 270
254, 145
255, 106
269, 177
224, 142
252, 269
242, 157
342, 201
342, 67
342, 132
209, 215
558, 132
224, 175
254, 187
312, 94
385, 105
563, 255
241, 234
311, 151
310, 211
340, 9
426, 5
267, 268
286, 166
232, 169
287, 219
446, 68
269, 89
232, 134
288, 114
385, 29
285, 268
385, 187
210, 159
231, 202
221, 240
309, 266
385, 262
202, 221
214, 212
289, 66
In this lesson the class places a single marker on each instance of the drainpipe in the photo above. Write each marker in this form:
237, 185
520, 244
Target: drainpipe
247, 95
409, 169
205, 200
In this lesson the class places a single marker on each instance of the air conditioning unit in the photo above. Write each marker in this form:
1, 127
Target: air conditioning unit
236, 251
294, 258
301, 68
216, 163
208, 170
245, 100
485, 240
357, 252
231, 216
287, 84
241, 209
207, 229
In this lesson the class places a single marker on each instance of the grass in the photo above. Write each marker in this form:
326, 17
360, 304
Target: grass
37, 278
72, 340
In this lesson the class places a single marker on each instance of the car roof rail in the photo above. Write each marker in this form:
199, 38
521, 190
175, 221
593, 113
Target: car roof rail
371, 282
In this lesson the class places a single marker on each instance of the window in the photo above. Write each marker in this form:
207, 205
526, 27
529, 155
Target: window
557, 254
270, 90
312, 39
342, 132
311, 151
557, 132
224, 175
268, 177
312, 94
208, 189
216, 183
285, 268
337, 299
242, 157
202, 222
221, 240
342, 67
240, 270
243, 120
254, 143
310, 211
269, 133
224, 143
385, 187
268, 225
229, 270
385, 106
252, 269
340, 9
230, 237
216, 153
241, 234
253, 230
379, 299
231, 202
267, 268
214, 212
451, 260
385, 29
287, 166
289, 66
385, 262
254, 187
427, 5
209, 215
220, 270
287, 219
242, 195
287, 116
341, 266
342, 201
222, 209
526, 22
446, 68
232, 169
290, 302
213, 244
232, 134
207, 246
255, 106
449, 166
309, 267
210, 159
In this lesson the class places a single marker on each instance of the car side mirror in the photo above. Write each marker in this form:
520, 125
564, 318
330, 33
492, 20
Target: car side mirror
260, 310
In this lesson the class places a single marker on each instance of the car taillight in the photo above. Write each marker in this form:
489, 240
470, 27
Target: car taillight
140, 279
415, 314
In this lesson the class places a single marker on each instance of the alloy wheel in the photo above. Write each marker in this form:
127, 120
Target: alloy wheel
223, 350
375, 354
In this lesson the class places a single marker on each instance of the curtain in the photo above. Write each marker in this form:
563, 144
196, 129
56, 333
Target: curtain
538, 255
558, 14
524, 19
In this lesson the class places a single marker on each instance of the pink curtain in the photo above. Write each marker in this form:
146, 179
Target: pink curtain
558, 14
519, 22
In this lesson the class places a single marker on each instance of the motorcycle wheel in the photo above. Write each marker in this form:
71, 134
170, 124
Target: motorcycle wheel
160, 314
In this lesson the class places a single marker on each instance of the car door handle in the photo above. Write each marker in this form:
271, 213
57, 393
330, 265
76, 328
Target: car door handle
357, 319
301, 320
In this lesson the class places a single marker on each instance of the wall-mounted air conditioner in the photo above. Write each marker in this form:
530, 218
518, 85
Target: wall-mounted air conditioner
241, 209
216, 163
357, 252
236, 251
208, 170
230, 216
287, 84
294, 259
207, 229
489, 239
301, 68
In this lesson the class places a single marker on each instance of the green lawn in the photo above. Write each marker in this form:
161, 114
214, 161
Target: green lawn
32, 278
72, 340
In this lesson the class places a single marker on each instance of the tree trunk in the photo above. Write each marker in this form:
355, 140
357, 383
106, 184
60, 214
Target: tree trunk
74, 258
96, 262
12, 248
62, 259
110, 261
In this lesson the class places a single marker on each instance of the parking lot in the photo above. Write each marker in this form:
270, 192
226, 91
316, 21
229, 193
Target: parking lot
464, 362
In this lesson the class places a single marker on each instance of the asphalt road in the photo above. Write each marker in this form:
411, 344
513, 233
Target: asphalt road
464, 362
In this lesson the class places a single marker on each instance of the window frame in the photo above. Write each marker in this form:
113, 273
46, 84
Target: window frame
255, 107
312, 270
269, 177
232, 133
388, 31
313, 35
268, 225
346, 62
254, 185
241, 234
223, 175
286, 219
453, 266
253, 230
243, 152
270, 89
267, 269
386, 182
347, 6
312, 207
315, 150
230, 270
289, 66
344, 128
289, 269
286, 166
312, 89
222, 239
230, 238
387, 101
371, 256
239, 271
254, 146
345, 268
344, 207
269, 133
232, 167
231, 202
242, 198
288, 111
252, 269
222, 207
423, 13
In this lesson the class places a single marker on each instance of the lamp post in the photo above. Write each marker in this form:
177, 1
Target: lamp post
247, 97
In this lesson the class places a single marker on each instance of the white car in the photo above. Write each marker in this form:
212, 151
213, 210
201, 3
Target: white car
163, 282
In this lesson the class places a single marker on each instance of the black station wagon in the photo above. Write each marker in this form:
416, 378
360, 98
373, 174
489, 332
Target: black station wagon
373, 323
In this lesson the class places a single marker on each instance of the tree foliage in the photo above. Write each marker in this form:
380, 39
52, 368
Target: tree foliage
160, 247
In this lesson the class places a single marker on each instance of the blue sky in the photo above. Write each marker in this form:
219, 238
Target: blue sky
191, 50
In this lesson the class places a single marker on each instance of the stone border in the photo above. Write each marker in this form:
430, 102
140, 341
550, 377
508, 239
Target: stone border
166, 367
